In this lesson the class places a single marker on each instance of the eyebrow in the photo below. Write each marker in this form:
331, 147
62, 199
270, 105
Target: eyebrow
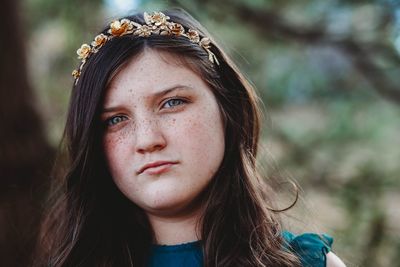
155, 95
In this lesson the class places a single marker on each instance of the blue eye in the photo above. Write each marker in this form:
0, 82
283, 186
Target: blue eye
175, 102
115, 120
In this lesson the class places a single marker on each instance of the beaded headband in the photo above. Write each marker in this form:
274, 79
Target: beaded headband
156, 23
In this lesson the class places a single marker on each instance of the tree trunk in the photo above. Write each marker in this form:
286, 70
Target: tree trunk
25, 155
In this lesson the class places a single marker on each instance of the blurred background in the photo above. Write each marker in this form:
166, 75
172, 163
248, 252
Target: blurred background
328, 73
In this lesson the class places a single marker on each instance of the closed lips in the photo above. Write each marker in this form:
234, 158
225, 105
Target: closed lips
154, 164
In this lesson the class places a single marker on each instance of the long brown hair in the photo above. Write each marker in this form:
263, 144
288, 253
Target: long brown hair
90, 223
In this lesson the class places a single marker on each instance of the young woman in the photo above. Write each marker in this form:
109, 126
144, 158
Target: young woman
159, 156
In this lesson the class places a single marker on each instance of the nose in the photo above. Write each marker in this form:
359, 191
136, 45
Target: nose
149, 137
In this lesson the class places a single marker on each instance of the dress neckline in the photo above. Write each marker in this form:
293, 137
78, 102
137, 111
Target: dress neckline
193, 245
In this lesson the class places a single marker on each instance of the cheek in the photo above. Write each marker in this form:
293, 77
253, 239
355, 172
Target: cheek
203, 139
115, 149
208, 127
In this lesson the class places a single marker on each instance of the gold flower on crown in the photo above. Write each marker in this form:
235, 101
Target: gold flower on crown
176, 29
84, 51
157, 18
76, 74
157, 23
205, 42
99, 40
143, 31
119, 28
193, 36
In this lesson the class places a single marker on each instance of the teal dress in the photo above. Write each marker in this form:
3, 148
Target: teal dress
310, 248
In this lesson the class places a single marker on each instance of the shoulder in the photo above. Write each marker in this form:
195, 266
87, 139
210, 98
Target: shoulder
312, 249
333, 261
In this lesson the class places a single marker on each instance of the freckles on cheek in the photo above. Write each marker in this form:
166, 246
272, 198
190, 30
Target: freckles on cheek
112, 141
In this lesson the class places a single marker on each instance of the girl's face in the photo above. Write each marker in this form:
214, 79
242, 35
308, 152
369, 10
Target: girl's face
160, 112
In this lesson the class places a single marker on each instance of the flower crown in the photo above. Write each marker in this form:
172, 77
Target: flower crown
156, 23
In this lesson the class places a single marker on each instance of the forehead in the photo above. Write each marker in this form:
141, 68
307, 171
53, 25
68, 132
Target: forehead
149, 72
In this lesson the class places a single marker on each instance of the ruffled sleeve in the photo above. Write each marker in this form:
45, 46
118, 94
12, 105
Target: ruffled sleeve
309, 247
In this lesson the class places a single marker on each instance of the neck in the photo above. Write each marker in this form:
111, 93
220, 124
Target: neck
175, 230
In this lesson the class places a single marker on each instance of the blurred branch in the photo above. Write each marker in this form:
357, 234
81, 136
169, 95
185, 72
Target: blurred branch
271, 25
362, 61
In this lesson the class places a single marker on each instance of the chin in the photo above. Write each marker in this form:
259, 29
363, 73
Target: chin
169, 206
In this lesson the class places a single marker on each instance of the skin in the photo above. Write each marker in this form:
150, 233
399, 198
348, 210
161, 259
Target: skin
333, 261
142, 127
